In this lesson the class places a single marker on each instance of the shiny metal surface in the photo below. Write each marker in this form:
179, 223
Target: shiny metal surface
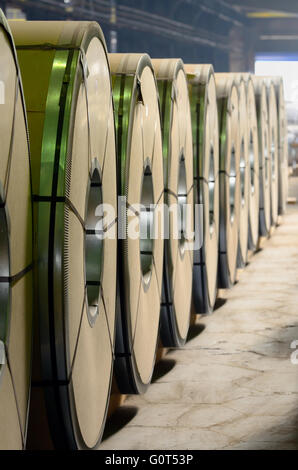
264, 155
282, 146
202, 93
66, 82
16, 259
274, 150
229, 182
245, 171
178, 177
147, 225
140, 180
253, 156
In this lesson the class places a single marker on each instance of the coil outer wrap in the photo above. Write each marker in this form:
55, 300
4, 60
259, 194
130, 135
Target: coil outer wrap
179, 184
15, 251
67, 82
229, 184
264, 155
253, 155
282, 145
140, 181
204, 115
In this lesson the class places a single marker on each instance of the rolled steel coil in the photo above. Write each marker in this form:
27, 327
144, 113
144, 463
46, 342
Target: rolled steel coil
229, 178
202, 94
264, 155
71, 123
253, 155
15, 251
178, 182
244, 171
140, 178
274, 150
282, 146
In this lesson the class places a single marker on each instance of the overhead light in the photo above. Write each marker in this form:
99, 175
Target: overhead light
68, 7
279, 37
271, 14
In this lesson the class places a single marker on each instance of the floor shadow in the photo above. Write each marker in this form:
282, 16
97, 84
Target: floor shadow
195, 330
162, 367
119, 419
219, 303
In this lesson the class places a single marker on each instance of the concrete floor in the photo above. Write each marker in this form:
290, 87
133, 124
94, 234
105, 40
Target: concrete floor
233, 386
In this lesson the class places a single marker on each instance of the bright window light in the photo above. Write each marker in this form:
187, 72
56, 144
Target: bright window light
288, 69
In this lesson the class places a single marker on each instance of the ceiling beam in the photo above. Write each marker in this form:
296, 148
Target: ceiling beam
136, 19
288, 6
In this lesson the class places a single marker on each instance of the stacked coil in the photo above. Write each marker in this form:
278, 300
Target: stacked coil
16, 251
244, 172
274, 151
204, 114
264, 155
282, 146
178, 183
146, 185
140, 183
253, 156
229, 178
66, 80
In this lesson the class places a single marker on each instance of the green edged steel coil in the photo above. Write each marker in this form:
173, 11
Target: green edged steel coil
204, 114
244, 172
264, 155
141, 213
16, 260
253, 155
179, 197
71, 124
282, 145
229, 180
274, 149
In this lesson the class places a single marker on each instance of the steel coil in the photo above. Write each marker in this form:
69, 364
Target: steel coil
264, 155
178, 182
244, 171
202, 93
140, 179
15, 251
69, 100
282, 146
229, 180
274, 150
253, 155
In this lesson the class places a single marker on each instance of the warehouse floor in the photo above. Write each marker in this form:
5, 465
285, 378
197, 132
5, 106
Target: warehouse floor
233, 386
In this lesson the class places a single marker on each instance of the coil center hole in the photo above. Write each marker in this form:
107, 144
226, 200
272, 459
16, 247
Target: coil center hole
182, 201
232, 178
147, 225
4, 284
266, 157
94, 244
242, 172
273, 154
251, 163
211, 184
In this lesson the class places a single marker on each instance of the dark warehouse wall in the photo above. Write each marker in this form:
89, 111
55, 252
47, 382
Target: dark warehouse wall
197, 31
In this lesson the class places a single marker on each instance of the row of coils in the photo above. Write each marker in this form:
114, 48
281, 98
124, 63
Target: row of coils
80, 297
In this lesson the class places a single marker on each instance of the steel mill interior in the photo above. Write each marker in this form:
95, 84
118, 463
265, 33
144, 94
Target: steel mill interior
148, 227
